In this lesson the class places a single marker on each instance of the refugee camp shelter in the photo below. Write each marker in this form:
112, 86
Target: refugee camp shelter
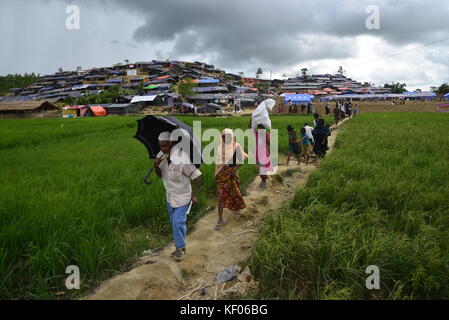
298, 98
28, 109
72, 111
95, 111
209, 108
121, 109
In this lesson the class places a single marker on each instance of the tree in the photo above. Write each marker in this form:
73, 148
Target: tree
16, 81
341, 71
60, 69
304, 72
185, 88
126, 61
79, 68
241, 73
259, 72
443, 89
396, 87
262, 86
284, 75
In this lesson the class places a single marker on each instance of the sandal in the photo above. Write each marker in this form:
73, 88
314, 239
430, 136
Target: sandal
179, 255
219, 225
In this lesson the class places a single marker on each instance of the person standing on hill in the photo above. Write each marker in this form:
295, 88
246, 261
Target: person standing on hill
306, 146
316, 116
176, 171
293, 144
336, 112
356, 109
309, 130
320, 136
328, 110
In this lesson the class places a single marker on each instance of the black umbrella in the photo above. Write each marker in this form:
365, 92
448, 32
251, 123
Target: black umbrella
149, 128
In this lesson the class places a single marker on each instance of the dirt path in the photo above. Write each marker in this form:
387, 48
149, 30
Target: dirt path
156, 276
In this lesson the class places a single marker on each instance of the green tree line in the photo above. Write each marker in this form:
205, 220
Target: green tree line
16, 81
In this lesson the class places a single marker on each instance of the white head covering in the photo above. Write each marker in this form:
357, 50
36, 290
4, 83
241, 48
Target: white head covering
164, 136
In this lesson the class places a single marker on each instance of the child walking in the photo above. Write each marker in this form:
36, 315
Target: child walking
305, 145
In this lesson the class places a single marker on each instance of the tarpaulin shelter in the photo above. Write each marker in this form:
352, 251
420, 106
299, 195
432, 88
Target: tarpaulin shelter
152, 86
72, 111
121, 109
446, 96
298, 98
143, 98
210, 108
95, 111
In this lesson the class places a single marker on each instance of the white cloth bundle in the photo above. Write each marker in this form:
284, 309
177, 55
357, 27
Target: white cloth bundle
260, 115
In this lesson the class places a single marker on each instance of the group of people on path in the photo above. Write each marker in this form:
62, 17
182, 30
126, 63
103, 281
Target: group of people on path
179, 174
345, 109
310, 108
313, 141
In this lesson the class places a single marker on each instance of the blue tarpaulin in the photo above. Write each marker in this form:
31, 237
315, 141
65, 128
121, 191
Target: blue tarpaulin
446, 96
298, 98
204, 81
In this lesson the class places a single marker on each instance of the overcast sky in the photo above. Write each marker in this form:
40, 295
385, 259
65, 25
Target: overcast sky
411, 46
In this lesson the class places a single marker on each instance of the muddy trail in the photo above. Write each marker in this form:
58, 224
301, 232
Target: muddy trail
156, 276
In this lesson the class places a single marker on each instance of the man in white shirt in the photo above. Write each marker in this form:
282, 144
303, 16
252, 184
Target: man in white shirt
176, 171
309, 130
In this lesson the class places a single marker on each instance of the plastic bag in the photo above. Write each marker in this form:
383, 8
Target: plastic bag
227, 274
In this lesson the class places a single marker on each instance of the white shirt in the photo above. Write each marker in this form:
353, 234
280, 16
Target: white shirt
176, 178
309, 130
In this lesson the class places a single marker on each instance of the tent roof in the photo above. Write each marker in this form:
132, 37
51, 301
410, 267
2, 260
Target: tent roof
25, 105
143, 98
298, 97
98, 111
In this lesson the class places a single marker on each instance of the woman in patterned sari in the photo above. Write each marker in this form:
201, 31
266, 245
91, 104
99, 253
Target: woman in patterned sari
230, 157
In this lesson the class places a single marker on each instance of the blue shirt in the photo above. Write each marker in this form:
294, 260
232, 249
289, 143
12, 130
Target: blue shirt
306, 140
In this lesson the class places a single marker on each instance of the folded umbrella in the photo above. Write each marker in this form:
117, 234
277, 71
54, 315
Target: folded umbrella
149, 128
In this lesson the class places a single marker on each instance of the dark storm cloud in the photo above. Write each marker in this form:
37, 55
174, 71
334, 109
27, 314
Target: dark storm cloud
284, 32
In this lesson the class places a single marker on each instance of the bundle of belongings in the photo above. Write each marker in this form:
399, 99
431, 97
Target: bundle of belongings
260, 115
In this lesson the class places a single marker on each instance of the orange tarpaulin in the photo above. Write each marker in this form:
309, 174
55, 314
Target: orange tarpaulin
98, 111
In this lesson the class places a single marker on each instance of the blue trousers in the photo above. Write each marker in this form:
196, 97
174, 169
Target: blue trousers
178, 218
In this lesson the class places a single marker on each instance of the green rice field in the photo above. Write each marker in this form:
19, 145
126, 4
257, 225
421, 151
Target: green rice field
72, 193
381, 198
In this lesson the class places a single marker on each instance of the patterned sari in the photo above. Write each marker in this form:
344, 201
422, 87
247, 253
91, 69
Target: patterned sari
228, 192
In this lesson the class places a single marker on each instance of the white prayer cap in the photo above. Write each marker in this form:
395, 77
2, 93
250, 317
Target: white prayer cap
164, 136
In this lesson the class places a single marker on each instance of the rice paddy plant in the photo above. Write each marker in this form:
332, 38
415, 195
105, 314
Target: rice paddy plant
379, 199
72, 193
